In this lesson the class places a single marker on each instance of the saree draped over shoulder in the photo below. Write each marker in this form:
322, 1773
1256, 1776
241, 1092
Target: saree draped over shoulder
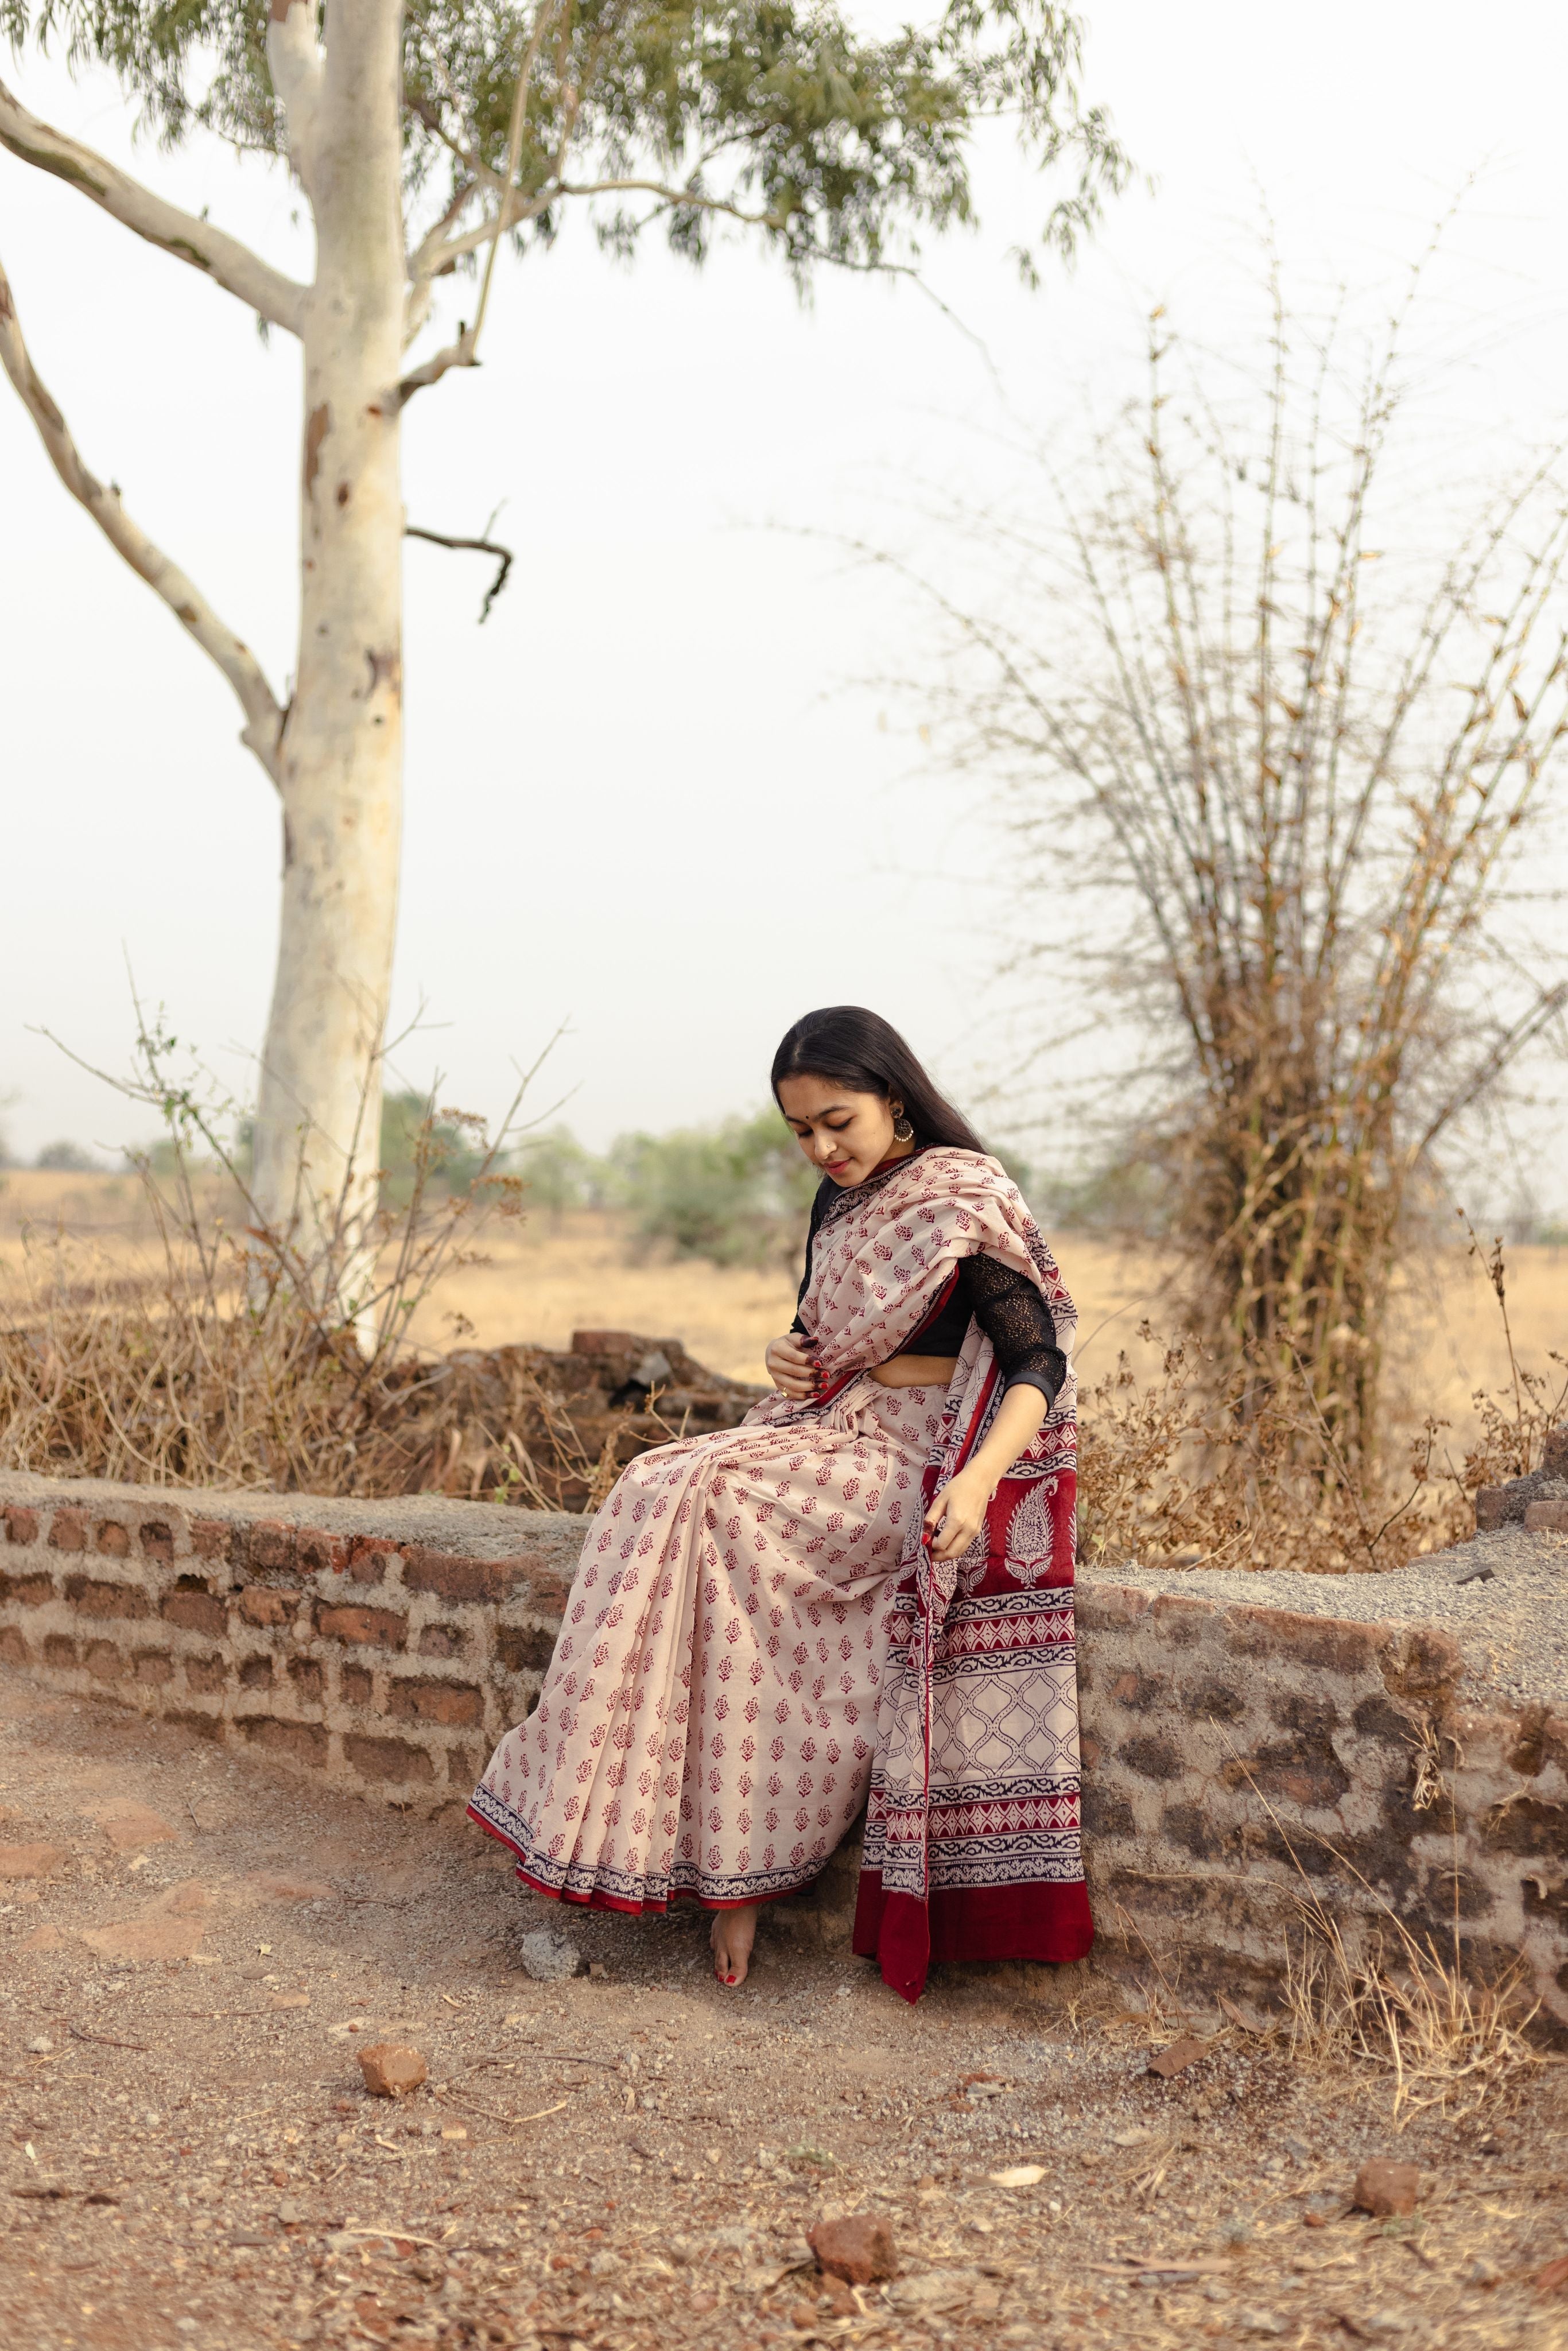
758, 1640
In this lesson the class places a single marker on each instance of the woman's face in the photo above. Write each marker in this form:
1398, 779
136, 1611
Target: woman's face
846, 1135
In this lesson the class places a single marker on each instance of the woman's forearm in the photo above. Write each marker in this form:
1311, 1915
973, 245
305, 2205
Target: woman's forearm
1018, 1421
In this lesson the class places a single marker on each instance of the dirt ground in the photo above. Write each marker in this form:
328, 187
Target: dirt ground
195, 1950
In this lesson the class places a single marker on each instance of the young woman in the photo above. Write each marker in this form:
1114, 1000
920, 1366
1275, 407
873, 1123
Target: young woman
865, 1588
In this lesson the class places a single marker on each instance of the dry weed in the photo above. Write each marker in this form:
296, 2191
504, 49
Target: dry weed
1207, 1463
1404, 2006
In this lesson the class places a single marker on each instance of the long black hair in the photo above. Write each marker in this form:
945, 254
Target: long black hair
851, 1047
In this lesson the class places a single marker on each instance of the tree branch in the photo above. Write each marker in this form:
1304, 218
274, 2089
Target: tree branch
219, 257
263, 729
485, 546
458, 354
298, 69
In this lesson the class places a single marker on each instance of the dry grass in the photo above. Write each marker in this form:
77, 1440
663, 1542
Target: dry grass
547, 1278
1443, 2038
129, 1356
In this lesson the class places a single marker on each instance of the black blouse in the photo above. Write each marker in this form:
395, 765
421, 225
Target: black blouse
1010, 1310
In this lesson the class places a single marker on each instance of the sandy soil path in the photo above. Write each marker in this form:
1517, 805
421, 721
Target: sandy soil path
193, 1950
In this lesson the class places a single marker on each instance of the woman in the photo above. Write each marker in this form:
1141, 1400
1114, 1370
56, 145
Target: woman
866, 1586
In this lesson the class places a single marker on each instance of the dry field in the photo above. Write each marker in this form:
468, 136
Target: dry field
193, 1950
550, 1277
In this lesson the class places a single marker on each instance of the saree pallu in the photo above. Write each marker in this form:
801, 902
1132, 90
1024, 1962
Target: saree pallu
758, 1634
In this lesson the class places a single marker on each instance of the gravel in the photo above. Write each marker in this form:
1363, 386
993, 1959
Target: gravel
1510, 1617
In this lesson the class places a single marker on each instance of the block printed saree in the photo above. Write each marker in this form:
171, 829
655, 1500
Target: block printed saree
758, 1636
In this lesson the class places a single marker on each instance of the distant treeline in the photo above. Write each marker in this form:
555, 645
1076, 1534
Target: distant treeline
736, 1191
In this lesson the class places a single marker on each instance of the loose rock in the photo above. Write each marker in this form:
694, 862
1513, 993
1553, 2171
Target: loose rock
30, 1860
859, 2250
1168, 2063
1386, 2190
549, 1959
129, 1825
391, 2070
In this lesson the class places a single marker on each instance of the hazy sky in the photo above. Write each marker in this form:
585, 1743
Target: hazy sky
655, 796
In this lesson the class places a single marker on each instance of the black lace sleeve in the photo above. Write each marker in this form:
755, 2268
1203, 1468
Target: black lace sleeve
823, 1194
1017, 1320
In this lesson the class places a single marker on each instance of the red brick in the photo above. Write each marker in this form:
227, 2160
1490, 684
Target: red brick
157, 1541
90, 1599
27, 1590
1329, 1644
464, 1768
58, 1650
458, 1578
104, 1661
1420, 1664
1102, 1606
388, 1759
320, 1553
154, 1666
302, 1742
355, 1687
204, 1676
256, 1673
14, 1650
376, 1628
68, 1530
371, 1558
210, 1538
202, 1726
198, 1612
442, 1640
1547, 1518
259, 1604
308, 1676
608, 1343
526, 1648
21, 1526
113, 1539
452, 1703
270, 1543
1182, 1617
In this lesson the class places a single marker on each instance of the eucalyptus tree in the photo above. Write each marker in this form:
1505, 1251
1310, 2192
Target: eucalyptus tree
424, 136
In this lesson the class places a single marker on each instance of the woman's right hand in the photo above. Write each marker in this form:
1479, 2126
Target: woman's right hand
792, 1365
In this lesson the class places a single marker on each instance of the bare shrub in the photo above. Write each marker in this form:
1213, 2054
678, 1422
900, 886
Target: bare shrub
1287, 727
1199, 1465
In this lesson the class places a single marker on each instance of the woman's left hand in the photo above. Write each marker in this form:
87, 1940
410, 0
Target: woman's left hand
957, 1512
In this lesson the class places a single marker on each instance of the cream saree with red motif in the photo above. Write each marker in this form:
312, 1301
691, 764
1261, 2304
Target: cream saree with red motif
758, 1636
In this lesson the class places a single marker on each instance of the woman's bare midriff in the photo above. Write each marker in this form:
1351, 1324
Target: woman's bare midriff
917, 1371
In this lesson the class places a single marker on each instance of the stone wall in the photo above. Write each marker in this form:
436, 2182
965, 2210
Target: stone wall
1237, 1754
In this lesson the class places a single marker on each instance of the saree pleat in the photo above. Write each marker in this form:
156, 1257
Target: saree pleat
758, 1636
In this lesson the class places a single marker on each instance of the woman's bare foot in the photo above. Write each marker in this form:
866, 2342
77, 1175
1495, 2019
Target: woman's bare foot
734, 1933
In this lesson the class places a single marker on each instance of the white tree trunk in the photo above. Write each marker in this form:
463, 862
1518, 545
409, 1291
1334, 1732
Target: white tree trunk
340, 763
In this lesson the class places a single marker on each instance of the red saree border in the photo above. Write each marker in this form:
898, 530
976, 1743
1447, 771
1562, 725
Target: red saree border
600, 1900
906, 1936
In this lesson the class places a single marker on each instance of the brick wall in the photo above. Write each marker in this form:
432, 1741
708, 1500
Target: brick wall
1232, 1752
384, 1646
1236, 1756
